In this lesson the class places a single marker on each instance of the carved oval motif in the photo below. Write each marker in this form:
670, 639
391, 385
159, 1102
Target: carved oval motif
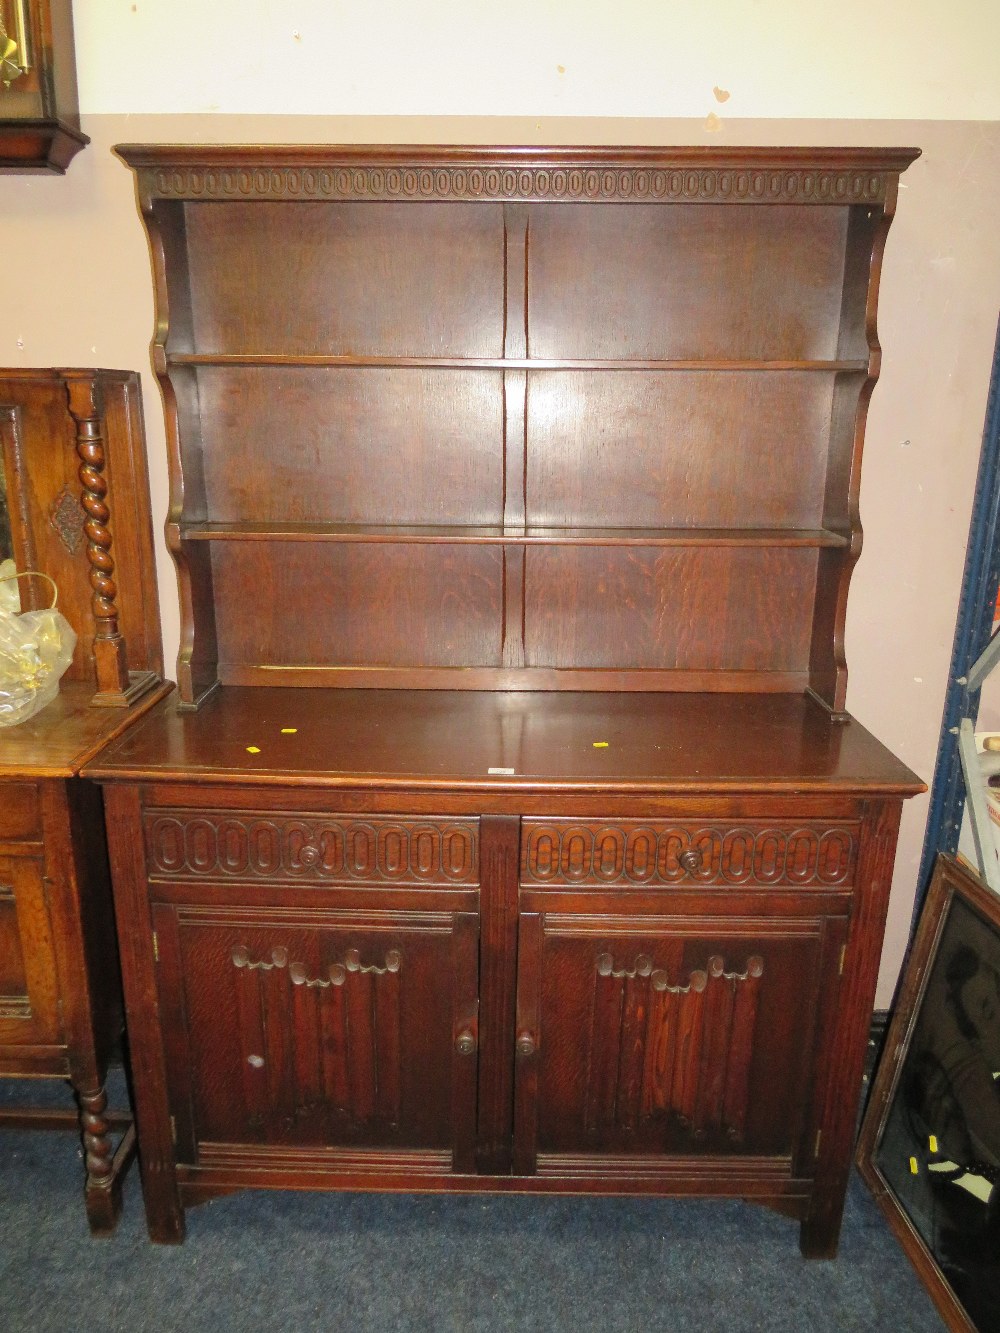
769, 856
265, 848
801, 850
543, 853
331, 848
575, 855
391, 849
167, 845
737, 855
200, 845
671, 845
708, 842
361, 850
609, 853
424, 852
300, 852
457, 860
835, 857
640, 854
234, 852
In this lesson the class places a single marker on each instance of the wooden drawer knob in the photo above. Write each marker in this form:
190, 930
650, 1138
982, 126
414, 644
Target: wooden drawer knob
465, 1042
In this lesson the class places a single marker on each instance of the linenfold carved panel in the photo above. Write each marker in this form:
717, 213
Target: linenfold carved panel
630, 853
337, 1031
185, 844
498, 183
691, 1038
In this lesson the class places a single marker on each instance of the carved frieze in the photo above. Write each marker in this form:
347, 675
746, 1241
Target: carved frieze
183, 844
583, 183
632, 853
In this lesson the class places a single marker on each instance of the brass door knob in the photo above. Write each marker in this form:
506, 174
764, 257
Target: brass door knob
465, 1042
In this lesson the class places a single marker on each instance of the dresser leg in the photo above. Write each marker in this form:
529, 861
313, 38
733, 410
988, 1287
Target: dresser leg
819, 1234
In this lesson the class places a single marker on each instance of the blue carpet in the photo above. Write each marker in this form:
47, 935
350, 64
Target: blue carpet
360, 1262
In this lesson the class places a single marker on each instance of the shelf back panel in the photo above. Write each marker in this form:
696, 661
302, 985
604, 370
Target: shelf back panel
732, 609
347, 279
689, 609
291, 444
650, 449
350, 606
647, 282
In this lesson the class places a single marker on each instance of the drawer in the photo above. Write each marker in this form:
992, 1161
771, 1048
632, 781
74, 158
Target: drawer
20, 812
678, 854
301, 847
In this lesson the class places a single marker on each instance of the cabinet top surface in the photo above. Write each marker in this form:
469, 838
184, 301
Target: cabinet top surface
68, 732
594, 742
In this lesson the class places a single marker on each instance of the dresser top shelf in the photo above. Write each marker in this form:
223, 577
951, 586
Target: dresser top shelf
589, 742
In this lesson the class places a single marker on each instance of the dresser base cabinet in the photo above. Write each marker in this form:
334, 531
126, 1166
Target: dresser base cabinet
406, 985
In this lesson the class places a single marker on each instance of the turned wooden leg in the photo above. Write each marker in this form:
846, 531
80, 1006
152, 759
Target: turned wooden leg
102, 1191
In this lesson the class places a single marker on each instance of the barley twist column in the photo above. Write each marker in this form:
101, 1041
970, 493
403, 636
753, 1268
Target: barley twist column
97, 1146
110, 661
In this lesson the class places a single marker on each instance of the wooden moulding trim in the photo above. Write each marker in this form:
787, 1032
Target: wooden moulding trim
228, 1166
509, 535
526, 678
520, 787
348, 362
596, 175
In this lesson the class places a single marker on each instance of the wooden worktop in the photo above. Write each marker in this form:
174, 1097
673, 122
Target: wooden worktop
452, 739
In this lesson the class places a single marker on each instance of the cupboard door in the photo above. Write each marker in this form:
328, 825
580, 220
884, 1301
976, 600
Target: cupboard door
316, 1028
644, 1035
29, 982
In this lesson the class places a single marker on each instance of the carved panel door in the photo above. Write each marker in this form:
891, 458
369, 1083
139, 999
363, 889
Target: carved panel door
29, 984
643, 1033
299, 1028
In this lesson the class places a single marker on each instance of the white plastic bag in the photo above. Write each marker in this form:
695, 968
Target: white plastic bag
36, 648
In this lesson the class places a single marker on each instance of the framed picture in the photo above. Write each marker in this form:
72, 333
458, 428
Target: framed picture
930, 1142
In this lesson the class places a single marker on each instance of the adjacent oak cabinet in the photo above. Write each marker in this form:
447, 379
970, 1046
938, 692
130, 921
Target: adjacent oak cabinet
508, 830
74, 503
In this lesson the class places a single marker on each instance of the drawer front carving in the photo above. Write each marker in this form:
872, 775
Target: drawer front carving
630, 853
20, 816
239, 845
